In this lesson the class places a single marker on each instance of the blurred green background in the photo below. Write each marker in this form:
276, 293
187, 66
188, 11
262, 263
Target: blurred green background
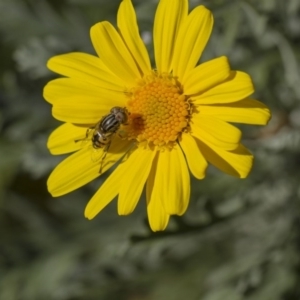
240, 239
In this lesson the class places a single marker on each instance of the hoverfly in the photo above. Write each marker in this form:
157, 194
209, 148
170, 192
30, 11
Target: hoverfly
104, 130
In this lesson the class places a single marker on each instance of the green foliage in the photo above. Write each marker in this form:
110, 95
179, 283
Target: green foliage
239, 239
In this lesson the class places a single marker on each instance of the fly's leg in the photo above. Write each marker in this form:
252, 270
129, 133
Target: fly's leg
103, 157
122, 134
86, 135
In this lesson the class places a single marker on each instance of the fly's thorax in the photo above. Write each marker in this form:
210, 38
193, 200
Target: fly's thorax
113, 121
109, 124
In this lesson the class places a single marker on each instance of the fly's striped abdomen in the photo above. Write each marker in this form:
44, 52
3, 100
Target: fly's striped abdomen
99, 140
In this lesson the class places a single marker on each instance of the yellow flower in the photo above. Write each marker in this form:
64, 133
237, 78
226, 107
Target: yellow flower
179, 114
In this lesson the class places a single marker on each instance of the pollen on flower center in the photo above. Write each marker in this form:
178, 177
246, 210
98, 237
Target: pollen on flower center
159, 112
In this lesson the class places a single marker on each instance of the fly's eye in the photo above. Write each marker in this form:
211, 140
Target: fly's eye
115, 110
120, 117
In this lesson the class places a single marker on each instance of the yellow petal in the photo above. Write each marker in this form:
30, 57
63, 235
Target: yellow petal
168, 18
206, 75
107, 192
138, 168
85, 67
247, 111
173, 181
191, 41
78, 102
128, 26
237, 87
79, 168
62, 139
236, 163
215, 131
158, 218
193, 155
114, 53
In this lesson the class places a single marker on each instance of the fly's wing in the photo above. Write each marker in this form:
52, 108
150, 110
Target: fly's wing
97, 154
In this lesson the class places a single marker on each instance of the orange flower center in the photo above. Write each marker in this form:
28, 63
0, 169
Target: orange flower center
159, 112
